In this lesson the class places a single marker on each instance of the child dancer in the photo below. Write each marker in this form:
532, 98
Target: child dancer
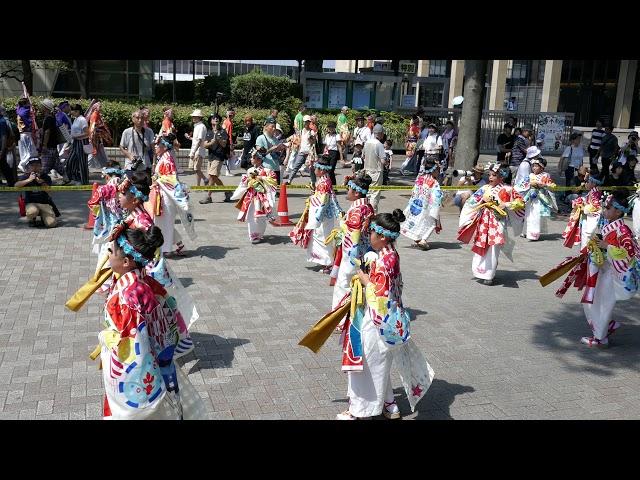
379, 333
256, 195
354, 237
484, 220
137, 346
319, 217
585, 215
423, 211
539, 200
609, 271
169, 197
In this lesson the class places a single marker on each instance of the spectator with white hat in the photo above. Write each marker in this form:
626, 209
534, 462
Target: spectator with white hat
197, 152
524, 169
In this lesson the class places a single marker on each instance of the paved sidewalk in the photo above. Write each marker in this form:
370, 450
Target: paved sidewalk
510, 351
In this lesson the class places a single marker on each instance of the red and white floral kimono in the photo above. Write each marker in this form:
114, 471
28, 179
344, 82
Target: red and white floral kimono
484, 223
168, 198
106, 208
539, 202
584, 219
606, 276
323, 210
377, 336
354, 243
137, 348
160, 271
423, 211
257, 192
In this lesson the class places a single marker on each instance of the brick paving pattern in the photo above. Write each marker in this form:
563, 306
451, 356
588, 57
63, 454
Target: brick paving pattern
510, 351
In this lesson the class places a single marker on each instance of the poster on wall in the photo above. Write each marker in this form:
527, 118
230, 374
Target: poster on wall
362, 96
551, 131
314, 93
337, 94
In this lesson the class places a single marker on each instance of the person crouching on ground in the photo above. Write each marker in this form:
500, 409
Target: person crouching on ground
257, 195
38, 202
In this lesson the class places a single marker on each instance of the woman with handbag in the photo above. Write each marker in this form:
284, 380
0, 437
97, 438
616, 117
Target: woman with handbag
77, 166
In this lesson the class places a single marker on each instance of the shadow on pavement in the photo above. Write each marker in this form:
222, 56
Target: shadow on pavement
277, 239
436, 403
212, 351
562, 327
213, 252
510, 279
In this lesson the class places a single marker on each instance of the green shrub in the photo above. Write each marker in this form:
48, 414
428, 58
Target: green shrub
258, 90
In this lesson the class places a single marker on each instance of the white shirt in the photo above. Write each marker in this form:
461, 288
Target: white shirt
362, 133
575, 155
524, 169
431, 143
306, 134
373, 155
79, 124
199, 135
331, 141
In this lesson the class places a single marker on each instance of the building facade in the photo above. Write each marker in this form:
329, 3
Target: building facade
607, 90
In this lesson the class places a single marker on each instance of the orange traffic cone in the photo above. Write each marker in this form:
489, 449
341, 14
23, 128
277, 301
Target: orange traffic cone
91, 219
283, 209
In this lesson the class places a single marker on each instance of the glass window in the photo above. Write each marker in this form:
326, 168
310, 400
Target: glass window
109, 65
383, 96
114, 83
337, 94
134, 65
134, 84
438, 68
361, 95
199, 67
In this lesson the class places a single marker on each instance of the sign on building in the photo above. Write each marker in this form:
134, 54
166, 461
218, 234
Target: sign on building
551, 130
381, 66
407, 67
314, 93
337, 94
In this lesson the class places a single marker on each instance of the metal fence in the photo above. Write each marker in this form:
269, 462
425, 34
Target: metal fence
492, 123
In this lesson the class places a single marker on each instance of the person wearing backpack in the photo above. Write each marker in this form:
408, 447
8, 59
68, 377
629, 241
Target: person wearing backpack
7, 147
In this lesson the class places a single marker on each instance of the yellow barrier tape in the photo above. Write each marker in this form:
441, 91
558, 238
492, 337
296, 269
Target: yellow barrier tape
232, 188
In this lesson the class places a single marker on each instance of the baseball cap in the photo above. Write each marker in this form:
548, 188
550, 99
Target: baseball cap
306, 118
269, 119
378, 129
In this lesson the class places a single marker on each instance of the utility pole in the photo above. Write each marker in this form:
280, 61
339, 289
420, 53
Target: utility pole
174, 81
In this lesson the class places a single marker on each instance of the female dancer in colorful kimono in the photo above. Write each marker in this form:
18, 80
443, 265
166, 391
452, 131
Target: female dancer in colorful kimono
423, 212
134, 191
319, 217
378, 335
256, 195
106, 208
138, 343
99, 135
633, 203
585, 216
539, 200
610, 271
169, 197
484, 220
354, 237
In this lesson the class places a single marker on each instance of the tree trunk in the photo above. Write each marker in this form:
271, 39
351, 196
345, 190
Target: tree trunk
468, 147
27, 75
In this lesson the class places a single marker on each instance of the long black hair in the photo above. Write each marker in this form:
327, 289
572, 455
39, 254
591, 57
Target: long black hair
140, 180
390, 221
145, 242
363, 181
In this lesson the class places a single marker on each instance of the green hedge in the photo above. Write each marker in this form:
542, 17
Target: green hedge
117, 115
